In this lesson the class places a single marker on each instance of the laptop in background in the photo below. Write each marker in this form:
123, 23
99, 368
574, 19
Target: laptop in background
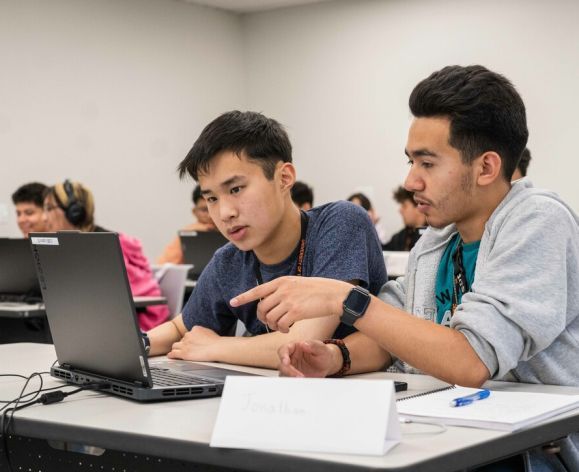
94, 325
198, 248
18, 281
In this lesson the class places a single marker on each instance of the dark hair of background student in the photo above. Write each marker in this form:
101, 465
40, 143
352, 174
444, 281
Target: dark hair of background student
524, 162
400, 195
261, 139
30, 193
363, 199
196, 195
302, 193
485, 111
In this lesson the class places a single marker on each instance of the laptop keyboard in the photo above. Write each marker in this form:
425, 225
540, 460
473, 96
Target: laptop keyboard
167, 378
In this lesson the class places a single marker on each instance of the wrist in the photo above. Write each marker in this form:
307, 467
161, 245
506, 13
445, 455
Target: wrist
340, 358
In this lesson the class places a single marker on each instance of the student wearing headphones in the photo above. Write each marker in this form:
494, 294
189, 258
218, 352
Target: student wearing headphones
70, 206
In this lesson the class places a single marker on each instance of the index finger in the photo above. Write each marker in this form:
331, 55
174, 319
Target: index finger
257, 293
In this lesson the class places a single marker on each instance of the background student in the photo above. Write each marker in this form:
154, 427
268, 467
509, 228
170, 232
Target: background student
173, 252
28, 200
362, 200
504, 256
243, 163
303, 195
414, 222
523, 165
70, 206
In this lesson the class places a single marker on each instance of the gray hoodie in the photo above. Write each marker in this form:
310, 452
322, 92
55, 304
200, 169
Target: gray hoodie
521, 316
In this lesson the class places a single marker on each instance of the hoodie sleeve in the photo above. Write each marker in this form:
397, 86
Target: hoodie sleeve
520, 302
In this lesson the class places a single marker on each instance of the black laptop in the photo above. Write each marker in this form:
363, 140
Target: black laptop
198, 248
94, 325
18, 281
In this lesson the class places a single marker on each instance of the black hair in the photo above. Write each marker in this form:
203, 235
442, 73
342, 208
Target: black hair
485, 111
302, 193
364, 200
401, 195
262, 139
196, 196
30, 193
524, 162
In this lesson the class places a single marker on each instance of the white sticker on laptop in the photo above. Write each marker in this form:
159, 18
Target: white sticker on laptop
45, 241
143, 366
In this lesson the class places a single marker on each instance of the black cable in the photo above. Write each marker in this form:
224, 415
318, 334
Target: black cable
46, 398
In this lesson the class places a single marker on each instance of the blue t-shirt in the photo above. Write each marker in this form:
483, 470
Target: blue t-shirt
445, 277
341, 243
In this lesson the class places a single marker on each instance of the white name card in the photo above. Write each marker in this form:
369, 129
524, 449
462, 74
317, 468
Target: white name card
347, 416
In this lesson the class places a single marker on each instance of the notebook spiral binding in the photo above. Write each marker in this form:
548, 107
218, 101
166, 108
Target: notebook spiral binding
429, 392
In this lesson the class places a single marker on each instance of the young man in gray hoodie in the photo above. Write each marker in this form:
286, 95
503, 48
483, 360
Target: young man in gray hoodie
492, 287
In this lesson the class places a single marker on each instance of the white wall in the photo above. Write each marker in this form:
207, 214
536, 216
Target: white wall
339, 74
113, 93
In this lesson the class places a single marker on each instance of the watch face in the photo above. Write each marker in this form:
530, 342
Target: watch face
357, 301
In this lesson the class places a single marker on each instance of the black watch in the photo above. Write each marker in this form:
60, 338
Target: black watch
146, 342
355, 305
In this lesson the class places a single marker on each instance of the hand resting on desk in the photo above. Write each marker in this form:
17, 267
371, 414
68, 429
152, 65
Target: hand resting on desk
309, 359
198, 344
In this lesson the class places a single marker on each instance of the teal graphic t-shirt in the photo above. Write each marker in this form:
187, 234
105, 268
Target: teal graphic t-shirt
444, 286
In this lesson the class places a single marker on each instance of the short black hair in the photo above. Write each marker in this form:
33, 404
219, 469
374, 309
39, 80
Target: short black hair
262, 139
401, 195
302, 193
30, 193
364, 200
196, 196
486, 113
524, 162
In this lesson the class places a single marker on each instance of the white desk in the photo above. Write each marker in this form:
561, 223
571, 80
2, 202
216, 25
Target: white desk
180, 431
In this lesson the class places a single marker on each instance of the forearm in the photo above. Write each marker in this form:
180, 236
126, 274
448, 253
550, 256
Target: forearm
366, 354
163, 336
436, 350
261, 351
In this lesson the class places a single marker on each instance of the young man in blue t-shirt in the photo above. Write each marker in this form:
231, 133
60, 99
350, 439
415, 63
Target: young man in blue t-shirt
242, 162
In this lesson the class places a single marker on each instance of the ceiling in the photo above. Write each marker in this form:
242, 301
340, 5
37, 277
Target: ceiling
251, 6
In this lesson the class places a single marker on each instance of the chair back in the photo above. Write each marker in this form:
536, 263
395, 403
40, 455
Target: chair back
172, 278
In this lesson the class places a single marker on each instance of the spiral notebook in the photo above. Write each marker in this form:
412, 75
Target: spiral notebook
503, 411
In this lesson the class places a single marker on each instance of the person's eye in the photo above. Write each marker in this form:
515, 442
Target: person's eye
235, 190
410, 162
427, 165
210, 199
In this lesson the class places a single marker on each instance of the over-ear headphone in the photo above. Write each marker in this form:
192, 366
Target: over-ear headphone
75, 210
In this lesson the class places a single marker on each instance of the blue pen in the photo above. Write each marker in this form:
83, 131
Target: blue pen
468, 399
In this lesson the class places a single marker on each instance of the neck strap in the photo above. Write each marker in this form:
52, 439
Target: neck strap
301, 251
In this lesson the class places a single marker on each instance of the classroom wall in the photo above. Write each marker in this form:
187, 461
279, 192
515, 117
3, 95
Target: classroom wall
339, 75
113, 93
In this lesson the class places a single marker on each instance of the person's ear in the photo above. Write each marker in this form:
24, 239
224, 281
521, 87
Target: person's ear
489, 168
287, 175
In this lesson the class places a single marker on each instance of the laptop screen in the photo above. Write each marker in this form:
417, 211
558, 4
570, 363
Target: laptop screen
89, 305
17, 274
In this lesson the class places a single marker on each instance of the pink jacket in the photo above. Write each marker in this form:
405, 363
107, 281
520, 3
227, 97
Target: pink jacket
142, 282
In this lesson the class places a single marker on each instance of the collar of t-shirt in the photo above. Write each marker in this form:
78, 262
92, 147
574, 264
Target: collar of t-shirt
445, 276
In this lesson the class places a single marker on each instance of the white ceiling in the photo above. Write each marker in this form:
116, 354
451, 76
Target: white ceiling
247, 6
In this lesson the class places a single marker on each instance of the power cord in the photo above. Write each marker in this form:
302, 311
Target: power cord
53, 395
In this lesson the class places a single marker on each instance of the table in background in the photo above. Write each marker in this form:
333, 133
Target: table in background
24, 322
